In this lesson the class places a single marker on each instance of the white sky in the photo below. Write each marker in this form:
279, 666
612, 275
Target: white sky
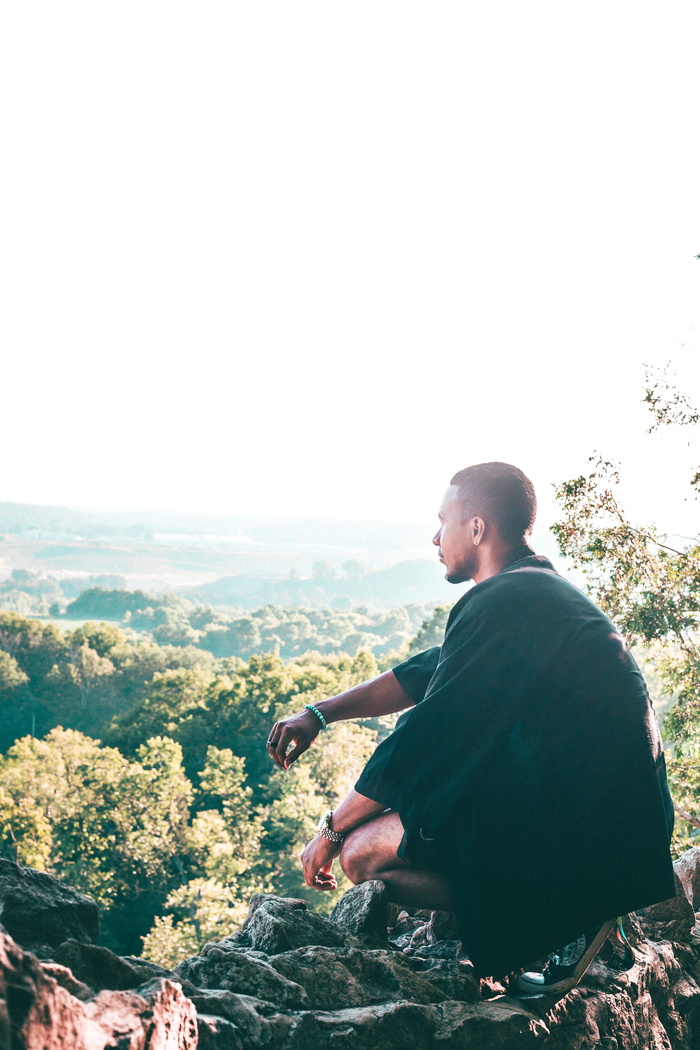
309, 259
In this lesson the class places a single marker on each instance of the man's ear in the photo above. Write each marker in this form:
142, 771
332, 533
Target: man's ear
478, 530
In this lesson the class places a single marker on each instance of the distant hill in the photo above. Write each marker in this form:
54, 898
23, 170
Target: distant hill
415, 580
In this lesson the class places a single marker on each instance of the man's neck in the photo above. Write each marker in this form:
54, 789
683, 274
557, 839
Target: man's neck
497, 557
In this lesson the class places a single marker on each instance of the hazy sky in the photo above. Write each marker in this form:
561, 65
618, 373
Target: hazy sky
311, 258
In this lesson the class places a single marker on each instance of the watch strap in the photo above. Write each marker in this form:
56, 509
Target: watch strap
325, 829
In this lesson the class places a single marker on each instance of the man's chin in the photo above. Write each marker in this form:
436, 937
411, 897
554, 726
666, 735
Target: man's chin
458, 576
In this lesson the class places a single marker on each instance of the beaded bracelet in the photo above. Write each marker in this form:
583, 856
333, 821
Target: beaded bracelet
310, 707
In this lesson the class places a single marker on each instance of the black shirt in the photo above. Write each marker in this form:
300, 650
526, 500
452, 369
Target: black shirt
533, 753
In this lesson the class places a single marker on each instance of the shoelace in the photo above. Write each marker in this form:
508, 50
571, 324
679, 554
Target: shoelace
622, 956
569, 955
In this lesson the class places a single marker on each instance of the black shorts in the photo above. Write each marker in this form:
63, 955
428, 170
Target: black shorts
422, 852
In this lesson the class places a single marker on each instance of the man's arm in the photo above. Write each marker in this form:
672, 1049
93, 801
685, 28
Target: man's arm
317, 858
383, 695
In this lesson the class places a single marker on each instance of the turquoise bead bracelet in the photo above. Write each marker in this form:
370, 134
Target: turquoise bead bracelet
310, 707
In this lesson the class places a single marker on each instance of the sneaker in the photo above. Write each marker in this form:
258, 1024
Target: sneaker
566, 967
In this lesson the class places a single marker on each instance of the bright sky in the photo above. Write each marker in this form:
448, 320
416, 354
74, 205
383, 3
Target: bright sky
309, 259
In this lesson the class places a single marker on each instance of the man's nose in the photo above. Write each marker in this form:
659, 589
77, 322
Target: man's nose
436, 537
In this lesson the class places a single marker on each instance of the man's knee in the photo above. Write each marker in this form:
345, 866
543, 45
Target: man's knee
355, 861
371, 849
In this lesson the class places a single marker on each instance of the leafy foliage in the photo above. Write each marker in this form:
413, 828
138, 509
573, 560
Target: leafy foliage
651, 590
170, 833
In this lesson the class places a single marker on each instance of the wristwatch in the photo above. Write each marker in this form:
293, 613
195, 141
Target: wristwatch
324, 828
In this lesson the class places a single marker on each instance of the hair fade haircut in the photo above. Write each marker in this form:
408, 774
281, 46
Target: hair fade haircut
500, 494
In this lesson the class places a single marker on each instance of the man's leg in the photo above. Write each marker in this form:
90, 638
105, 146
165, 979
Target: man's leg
369, 852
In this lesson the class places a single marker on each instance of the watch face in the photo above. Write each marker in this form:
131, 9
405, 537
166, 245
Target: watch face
324, 821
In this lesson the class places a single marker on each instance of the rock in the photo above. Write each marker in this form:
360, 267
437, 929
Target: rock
362, 912
242, 972
335, 977
157, 1016
63, 976
443, 927
403, 1025
270, 987
670, 920
216, 1033
404, 926
42, 1014
278, 924
100, 968
655, 1005
40, 912
257, 1023
687, 868
367, 999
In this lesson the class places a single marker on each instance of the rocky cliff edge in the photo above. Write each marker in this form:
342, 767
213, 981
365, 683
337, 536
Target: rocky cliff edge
369, 978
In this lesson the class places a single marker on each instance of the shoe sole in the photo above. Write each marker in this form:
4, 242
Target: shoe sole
559, 987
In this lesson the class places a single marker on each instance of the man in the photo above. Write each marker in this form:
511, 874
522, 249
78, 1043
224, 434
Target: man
525, 789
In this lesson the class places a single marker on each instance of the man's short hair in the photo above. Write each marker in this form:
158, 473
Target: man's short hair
500, 494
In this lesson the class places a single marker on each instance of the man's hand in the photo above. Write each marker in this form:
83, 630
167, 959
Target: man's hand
317, 860
300, 731
380, 696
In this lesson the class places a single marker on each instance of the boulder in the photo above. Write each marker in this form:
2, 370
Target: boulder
279, 924
413, 1026
670, 920
244, 972
426, 996
67, 979
42, 1014
687, 868
362, 912
39, 912
257, 1023
360, 977
101, 969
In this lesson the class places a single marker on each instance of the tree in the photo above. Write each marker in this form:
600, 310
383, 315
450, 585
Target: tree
650, 589
432, 630
115, 829
223, 777
11, 674
172, 702
323, 570
355, 569
86, 667
203, 910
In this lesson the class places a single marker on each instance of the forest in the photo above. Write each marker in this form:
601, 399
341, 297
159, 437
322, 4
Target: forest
137, 771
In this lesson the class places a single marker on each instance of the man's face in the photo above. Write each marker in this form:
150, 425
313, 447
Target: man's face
454, 540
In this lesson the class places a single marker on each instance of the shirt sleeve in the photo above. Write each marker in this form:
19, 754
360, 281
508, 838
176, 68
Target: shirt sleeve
415, 673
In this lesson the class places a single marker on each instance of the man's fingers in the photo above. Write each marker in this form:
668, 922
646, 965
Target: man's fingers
301, 747
327, 884
272, 739
278, 750
324, 879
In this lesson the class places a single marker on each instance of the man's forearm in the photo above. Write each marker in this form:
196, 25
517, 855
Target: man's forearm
355, 809
383, 695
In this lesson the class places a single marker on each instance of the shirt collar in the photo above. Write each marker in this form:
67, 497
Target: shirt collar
525, 558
